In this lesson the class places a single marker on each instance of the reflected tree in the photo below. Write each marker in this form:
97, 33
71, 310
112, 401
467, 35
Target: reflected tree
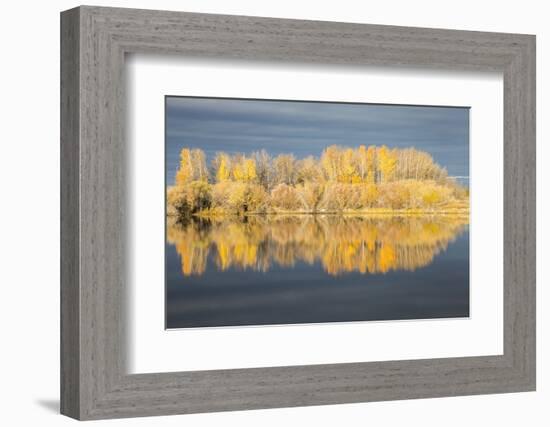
341, 244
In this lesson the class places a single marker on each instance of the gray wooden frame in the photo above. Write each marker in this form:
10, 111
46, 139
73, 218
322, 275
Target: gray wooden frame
94, 41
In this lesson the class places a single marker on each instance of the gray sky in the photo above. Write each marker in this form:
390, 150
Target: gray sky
306, 128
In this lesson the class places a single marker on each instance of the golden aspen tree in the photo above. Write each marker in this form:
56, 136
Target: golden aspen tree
362, 163
307, 170
284, 166
237, 171
348, 172
371, 164
250, 170
387, 162
185, 170
223, 171
198, 159
244, 170
330, 162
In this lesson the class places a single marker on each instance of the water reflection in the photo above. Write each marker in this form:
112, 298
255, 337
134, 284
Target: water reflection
340, 244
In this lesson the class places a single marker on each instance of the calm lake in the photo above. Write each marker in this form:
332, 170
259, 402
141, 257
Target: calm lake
264, 270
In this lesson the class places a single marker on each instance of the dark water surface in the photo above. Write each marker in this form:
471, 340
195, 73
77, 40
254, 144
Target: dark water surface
311, 269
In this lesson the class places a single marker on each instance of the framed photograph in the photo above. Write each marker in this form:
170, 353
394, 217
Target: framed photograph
262, 213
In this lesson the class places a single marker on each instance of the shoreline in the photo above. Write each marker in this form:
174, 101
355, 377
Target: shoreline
358, 213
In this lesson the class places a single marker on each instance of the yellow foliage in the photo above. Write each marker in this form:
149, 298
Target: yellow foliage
342, 179
245, 170
286, 197
368, 195
330, 161
348, 169
371, 164
223, 172
185, 171
387, 161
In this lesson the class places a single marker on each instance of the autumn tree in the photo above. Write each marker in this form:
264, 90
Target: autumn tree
308, 170
310, 194
330, 162
361, 160
221, 166
244, 169
185, 200
348, 173
185, 169
192, 167
387, 161
284, 166
263, 168
286, 197
198, 161
372, 170
418, 165
245, 198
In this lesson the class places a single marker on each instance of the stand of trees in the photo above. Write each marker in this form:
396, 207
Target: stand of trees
341, 179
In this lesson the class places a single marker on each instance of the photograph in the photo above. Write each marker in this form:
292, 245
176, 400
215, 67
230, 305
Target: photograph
296, 212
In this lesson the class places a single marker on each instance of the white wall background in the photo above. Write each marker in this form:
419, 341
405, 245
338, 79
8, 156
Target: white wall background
29, 214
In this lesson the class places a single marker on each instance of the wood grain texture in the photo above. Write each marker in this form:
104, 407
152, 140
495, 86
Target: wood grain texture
70, 259
95, 383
